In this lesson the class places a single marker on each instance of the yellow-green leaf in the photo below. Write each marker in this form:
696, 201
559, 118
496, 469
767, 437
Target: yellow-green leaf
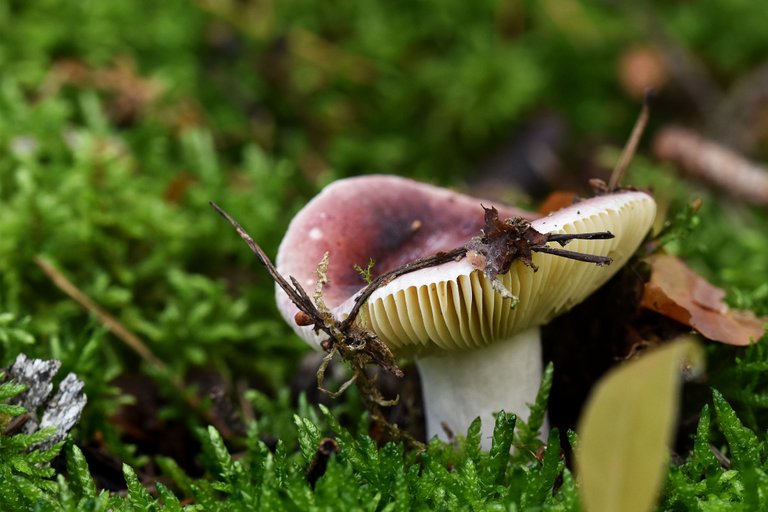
626, 426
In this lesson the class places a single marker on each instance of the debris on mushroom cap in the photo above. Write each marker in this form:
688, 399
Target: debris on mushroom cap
389, 219
454, 306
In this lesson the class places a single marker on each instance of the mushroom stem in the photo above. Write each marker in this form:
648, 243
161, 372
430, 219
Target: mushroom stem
459, 386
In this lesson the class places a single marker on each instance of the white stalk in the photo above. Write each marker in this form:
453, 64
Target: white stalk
459, 386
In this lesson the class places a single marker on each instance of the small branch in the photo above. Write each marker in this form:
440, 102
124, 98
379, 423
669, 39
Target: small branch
631, 146
295, 292
319, 462
421, 263
16, 423
713, 163
342, 388
564, 238
110, 322
600, 261
130, 339
682, 64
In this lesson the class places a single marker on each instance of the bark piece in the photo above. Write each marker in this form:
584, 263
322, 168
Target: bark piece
62, 410
37, 375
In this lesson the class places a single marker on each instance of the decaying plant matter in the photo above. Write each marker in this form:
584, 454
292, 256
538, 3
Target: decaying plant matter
504, 242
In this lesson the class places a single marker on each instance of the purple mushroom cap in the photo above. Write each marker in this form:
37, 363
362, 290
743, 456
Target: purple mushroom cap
389, 219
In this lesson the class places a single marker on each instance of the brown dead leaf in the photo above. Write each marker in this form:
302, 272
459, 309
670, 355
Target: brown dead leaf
677, 292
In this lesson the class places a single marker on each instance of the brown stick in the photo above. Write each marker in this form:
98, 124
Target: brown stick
110, 322
600, 261
713, 163
130, 339
295, 292
631, 146
421, 263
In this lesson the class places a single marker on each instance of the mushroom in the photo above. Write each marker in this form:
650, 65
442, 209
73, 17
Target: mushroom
477, 349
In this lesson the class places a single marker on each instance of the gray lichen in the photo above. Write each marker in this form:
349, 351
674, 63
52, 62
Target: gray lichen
61, 410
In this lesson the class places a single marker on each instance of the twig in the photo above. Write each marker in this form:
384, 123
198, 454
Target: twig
461, 252
713, 163
421, 263
319, 462
299, 296
15, 424
294, 291
110, 322
631, 146
600, 261
130, 339
564, 238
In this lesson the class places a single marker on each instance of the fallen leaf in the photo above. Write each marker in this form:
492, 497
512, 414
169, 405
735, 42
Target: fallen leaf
677, 292
626, 428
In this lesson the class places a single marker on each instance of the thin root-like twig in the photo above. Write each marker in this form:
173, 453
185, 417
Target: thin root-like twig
130, 339
383, 279
110, 322
294, 291
564, 238
600, 261
631, 146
